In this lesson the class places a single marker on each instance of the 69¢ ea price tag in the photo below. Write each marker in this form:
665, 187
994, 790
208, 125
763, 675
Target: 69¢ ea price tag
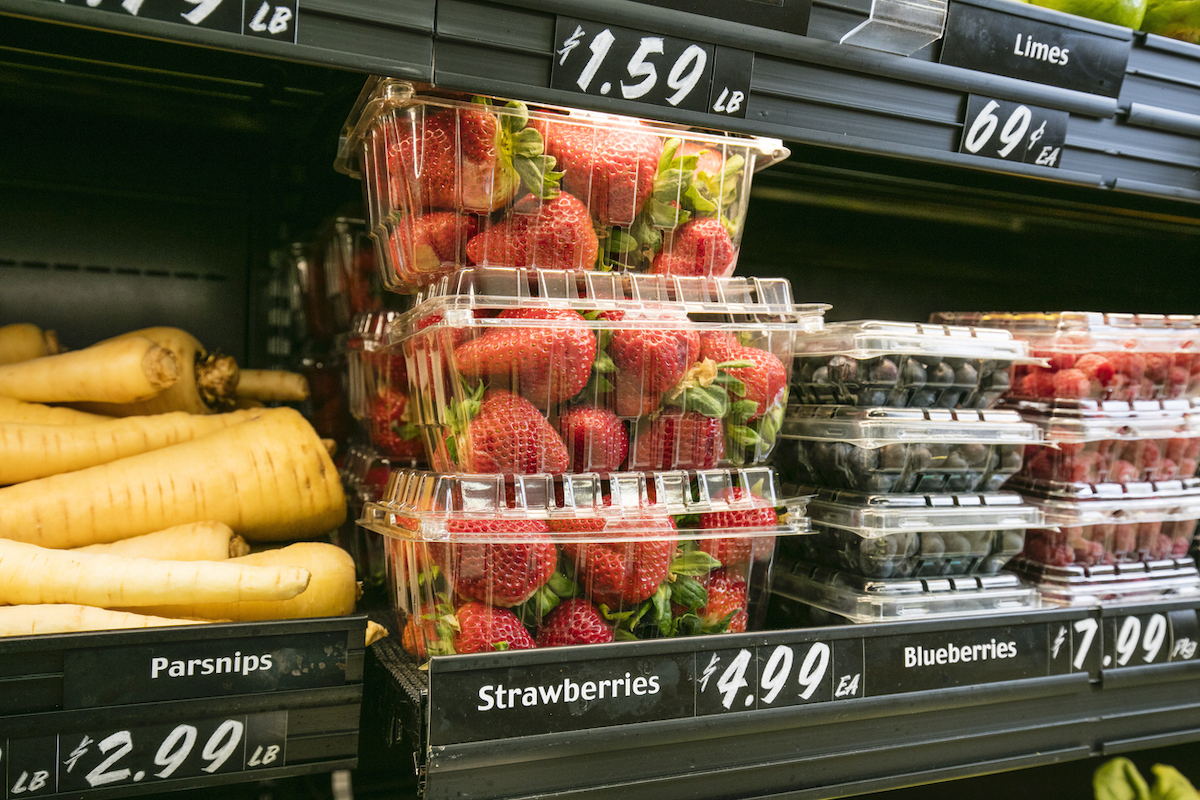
1013, 131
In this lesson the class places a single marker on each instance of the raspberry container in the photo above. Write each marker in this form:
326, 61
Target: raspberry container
1112, 441
452, 181
378, 389
1093, 356
880, 363
902, 449
485, 562
823, 596
1101, 584
915, 536
1090, 525
528, 371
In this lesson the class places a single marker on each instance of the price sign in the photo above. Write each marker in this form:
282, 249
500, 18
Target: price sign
270, 19
1137, 640
115, 757
608, 61
1013, 131
790, 16
778, 675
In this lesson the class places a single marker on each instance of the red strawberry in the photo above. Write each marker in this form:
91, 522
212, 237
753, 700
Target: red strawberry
544, 364
613, 167
483, 629
545, 234
391, 427
595, 438
689, 441
502, 433
699, 247
728, 598
740, 550
389, 369
425, 246
623, 573
505, 573
653, 358
574, 621
631, 400
765, 379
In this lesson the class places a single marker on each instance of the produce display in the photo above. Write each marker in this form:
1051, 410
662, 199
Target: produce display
489, 562
914, 536
1092, 356
338, 277
365, 472
902, 449
880, 363
526, 371
1109, 584
455, 181
378, 389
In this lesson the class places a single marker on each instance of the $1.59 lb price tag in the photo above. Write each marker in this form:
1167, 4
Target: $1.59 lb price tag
607, 61
1013, 131
100, 759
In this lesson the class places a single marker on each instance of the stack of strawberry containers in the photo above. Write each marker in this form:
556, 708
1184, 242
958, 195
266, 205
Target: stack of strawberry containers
1115, 475
595, 395
893, 430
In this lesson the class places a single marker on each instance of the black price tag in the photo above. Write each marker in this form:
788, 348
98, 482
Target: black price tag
1138, 640
788, 16
609, 61
270, 19
765, 677
1185, 634
1013, 131
115, 757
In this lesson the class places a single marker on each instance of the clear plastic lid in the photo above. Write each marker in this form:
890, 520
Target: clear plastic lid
864, 339
874, 515
1076, 504
878, 427
421, 506
1086, 331
865, 600
1077, 585
1112, 419
370, 328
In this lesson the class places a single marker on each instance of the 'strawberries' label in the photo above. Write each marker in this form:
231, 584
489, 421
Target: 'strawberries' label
499, 696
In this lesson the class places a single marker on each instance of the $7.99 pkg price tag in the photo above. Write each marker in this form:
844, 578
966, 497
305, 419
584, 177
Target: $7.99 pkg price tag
1013, 131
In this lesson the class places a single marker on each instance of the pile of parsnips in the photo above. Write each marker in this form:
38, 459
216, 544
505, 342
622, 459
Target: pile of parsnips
140, 516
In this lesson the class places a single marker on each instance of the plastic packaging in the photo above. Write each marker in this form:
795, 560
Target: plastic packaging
1101, 584
478, 562
364, 473
881, 363
378, 389
529, 371
1099, 356
902, 449
847, 597
915, 536
455, 181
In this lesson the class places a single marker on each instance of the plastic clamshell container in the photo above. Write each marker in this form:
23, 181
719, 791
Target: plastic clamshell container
378, 389
450, 182
478, 562
906, 364
337, 277
1090, 525
848, 597
597, 372
902, 449
1099, 356
1110, 583
915, 536
365, 472
1112, 442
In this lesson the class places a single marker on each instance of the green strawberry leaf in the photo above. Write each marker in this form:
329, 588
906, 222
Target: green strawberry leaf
731, 383
665, 215
668, 153
697, 202
620, 241
603, 362
696, 562
661, 601
733, 167
409, 431
527, 143
736, 364
686, 591
670, 185
562, 586
742, 411
743, 435
711, 401
517, 119
688, 625
721, 626
451, 450
538, 175
622, 635
687, 521
500, 645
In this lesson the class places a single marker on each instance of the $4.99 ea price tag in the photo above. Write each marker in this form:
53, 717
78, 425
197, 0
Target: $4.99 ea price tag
1013, 131
608, 61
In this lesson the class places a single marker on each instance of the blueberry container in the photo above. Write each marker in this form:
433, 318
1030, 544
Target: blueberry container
834, 597
915, 536
1101, 584
902, 449
905, 364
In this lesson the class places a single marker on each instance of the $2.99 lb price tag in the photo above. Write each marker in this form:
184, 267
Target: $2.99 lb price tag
608, 61
1013, 131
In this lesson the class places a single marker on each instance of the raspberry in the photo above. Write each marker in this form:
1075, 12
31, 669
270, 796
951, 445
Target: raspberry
1096, 367
1072, 383
1123, 472
1038, 383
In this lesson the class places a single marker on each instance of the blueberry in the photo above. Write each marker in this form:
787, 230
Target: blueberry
979, 543
923, 398
883, 372
955, 362
919, 456
1011, 456
843, 369
913, 374
937, 451
972, 454
986, 367
995, 482
941, 375
961, 482
949, 398
932, 545
956, 544
805, 373
863, 460
999, 380
1011, 542
872, 397
880, 482
966, 375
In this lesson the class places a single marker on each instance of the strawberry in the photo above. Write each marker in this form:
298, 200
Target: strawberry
740, 550
595, 438
701, 246
483, 629
505, 573
391, 427
501, 432
764, 378
623, 573
653, 358
546, 234
728, 597
425, 246
544, 364
613, 167
688, 441
574, 621
388, 369
631, 400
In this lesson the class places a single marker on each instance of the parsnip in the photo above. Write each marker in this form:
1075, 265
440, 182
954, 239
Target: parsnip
117, 371
196, 541
272, 385
332, 592
206, 381
19, 411
31, 620
23, 341
32, 574
269, 479
375, 632
37, 451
